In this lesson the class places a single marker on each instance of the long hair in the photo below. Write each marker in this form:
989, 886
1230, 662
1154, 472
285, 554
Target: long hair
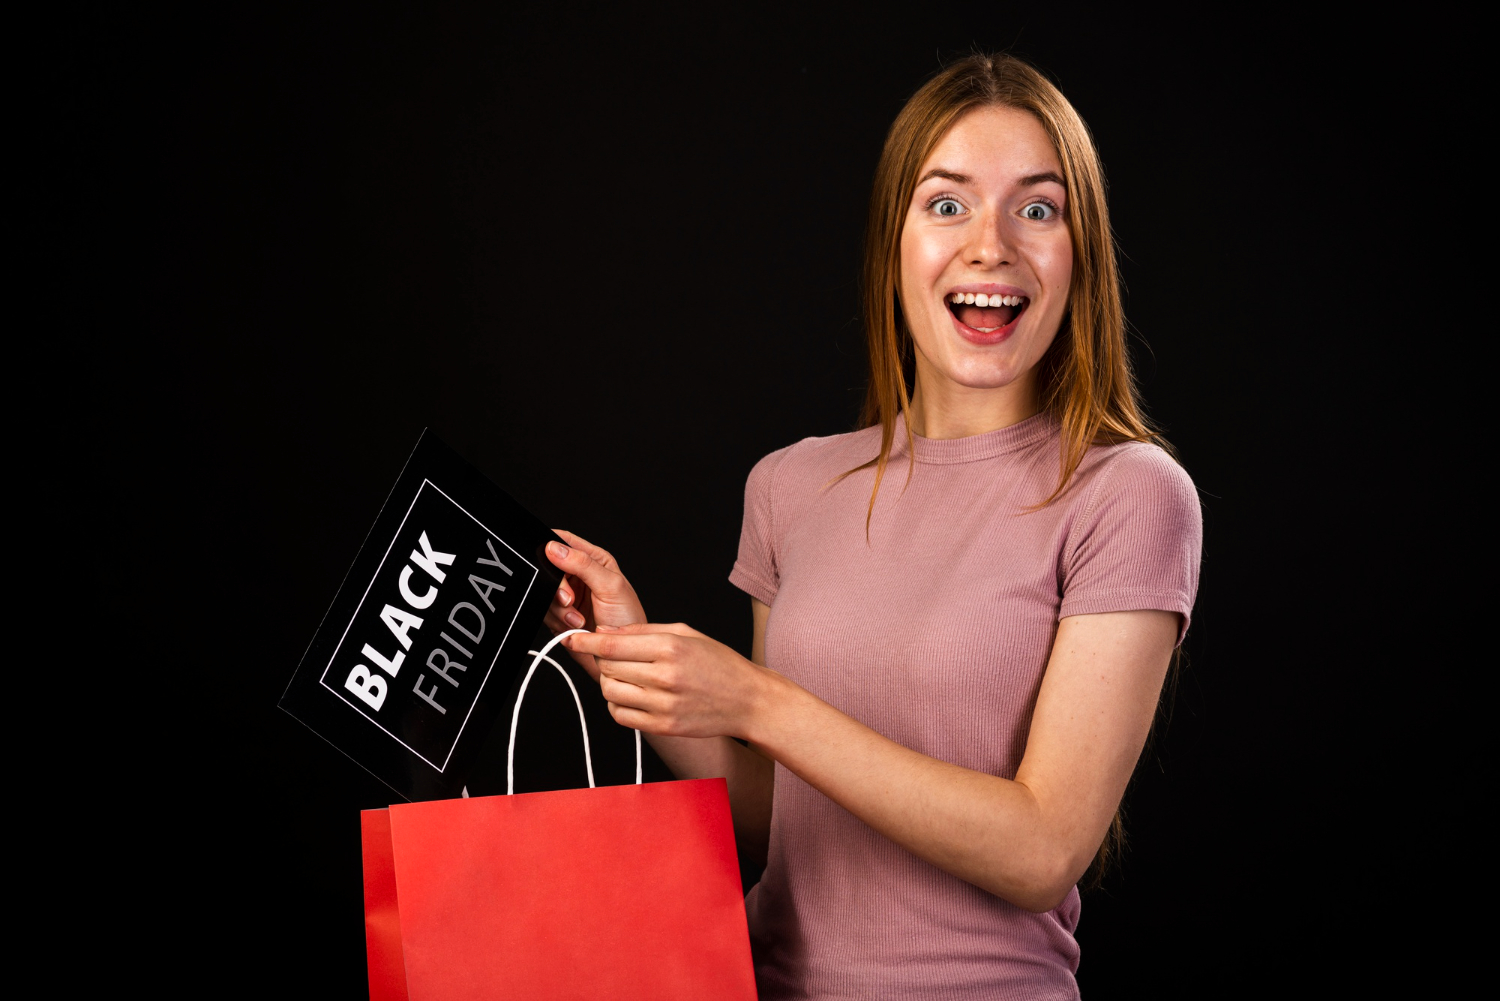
1084, 379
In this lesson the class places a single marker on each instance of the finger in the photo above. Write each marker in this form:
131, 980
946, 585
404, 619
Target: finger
635, 719
595, 553
561, 619
564, 594
649, 628
564, 612
603, 581
623, 692
622, 646
661, 681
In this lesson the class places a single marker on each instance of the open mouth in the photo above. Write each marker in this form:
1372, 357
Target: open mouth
987, 313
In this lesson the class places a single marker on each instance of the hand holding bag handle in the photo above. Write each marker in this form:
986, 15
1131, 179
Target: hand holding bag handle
510, 756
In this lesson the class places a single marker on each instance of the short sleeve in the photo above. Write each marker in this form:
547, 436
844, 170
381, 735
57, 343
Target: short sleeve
755, 571
1139, 540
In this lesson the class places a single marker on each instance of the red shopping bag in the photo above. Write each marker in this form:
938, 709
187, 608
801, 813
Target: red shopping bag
620, 892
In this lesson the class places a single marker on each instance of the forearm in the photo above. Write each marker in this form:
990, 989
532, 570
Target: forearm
987, 830
1026, 840
749, 776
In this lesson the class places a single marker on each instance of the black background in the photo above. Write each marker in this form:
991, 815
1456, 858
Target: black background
612, 259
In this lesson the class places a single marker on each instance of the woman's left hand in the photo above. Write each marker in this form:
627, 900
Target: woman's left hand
673, 680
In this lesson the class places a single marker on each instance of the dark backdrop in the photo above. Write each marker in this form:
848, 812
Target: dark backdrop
612, 259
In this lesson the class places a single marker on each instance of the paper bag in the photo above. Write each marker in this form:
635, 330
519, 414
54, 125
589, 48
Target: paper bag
617, 892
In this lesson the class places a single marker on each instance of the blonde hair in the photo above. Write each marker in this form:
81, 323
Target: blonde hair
1084, 379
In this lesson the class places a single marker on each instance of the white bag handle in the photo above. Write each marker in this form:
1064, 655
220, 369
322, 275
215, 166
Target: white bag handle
537, 656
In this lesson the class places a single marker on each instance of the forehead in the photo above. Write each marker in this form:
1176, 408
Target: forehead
995, 144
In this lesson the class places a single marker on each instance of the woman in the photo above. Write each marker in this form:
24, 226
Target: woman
954, 670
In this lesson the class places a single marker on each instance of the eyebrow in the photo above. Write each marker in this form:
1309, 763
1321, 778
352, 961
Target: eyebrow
950, 175
1043, 178
1026, 182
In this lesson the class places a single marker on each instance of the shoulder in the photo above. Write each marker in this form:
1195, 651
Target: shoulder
1137, 539
1134, 494
784, 484
812, 462
778, 490
1138, 471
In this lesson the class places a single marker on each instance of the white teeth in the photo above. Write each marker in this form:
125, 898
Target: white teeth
985, 300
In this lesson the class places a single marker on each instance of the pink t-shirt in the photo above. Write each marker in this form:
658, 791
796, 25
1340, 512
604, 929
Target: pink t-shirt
936, 634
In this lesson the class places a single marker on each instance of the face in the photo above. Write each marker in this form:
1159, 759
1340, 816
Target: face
985, 255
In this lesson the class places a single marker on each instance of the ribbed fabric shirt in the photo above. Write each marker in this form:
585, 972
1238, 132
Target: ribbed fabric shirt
936, 633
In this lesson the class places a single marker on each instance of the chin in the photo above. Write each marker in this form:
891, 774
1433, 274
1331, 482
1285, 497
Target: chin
985, 376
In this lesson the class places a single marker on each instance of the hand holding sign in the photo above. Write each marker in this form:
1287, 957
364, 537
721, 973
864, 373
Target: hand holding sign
593, 594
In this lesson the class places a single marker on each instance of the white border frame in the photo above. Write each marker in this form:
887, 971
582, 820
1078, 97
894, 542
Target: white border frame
323, 678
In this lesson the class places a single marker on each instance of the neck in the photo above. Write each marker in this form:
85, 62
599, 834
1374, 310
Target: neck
954, 411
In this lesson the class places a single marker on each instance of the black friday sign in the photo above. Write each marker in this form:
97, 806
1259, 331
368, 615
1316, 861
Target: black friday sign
416, 657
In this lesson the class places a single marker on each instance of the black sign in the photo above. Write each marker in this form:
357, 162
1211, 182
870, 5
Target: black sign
415, 660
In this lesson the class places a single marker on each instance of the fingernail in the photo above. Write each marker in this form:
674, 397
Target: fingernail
565, 596
606, 629
558, 549
573, 619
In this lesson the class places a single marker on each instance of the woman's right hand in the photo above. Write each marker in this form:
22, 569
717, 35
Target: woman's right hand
593, 593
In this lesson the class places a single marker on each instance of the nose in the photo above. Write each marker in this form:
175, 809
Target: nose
990, 245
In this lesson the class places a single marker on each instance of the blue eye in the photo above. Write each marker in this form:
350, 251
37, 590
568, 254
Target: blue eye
1039, 211
947, 207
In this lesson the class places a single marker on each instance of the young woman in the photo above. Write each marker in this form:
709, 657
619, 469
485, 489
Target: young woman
955, 667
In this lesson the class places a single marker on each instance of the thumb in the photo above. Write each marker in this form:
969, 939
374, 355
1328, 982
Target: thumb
604, 581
